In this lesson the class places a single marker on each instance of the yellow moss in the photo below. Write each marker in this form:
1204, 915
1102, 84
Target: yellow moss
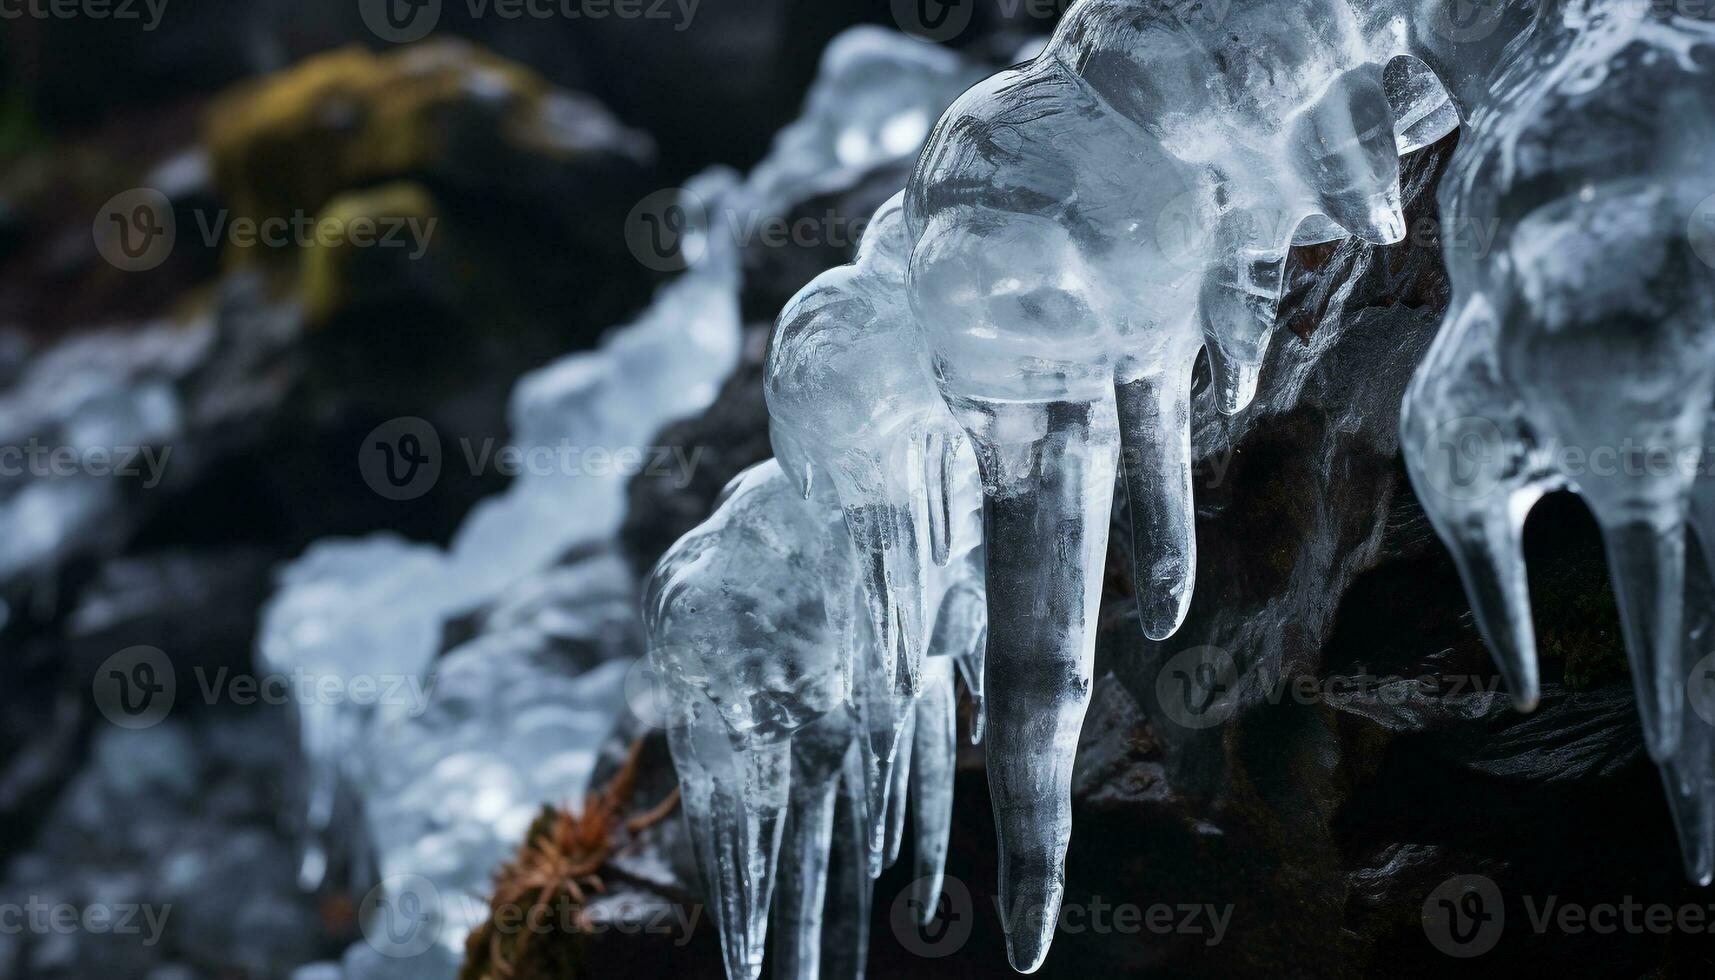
323, 264
292, 141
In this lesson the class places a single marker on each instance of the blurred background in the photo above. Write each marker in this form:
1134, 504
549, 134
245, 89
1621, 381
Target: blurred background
357, 358
330, 343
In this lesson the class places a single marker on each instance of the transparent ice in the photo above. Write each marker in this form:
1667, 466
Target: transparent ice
784, 715
1579, 350
1082, 226
875, 96
742, 616
451, 785
377, 606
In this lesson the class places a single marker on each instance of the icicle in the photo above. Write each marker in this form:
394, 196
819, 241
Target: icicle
932, 761
1155, 425
819, 756
1042, 630
899, 790
1689, 777
739, 629
845, 926
1580, 350
734, 802
849, 395
883, 712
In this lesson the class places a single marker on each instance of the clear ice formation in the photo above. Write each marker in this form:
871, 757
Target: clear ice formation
1082, 226
376, 606
1076, 232
875, 96
450, 792
743, 616
1585, 330
873, 101
786, 713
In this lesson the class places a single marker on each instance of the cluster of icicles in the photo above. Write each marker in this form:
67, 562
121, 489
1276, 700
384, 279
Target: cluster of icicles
951, 412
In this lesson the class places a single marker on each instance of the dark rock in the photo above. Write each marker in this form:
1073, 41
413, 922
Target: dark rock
202, 606
176, 822
730, 436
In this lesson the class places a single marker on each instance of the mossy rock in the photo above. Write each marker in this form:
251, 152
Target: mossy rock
444, 111
394, 222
